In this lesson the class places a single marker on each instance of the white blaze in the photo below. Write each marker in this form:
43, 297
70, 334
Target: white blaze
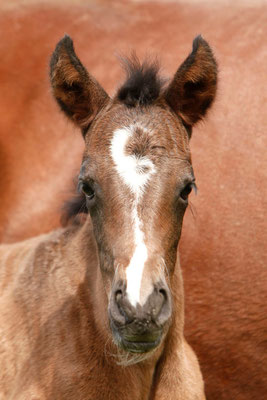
131, 169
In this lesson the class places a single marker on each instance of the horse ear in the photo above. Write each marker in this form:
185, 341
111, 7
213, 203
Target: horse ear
193, 88
79, 95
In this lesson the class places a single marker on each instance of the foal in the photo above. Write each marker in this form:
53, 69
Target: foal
95, 310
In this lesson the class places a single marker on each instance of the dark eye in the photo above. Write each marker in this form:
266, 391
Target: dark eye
187, 190
88, 190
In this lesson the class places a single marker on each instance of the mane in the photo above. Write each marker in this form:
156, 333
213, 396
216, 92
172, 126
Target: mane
143, 83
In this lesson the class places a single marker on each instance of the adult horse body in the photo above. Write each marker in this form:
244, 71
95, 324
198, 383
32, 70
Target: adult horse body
79, 301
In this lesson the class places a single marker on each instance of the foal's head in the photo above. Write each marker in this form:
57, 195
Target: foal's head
136, 175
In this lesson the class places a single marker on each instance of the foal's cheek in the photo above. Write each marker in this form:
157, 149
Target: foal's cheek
107, 285
179, 212
175, 234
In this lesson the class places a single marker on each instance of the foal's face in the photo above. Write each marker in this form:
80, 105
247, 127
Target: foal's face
136, 175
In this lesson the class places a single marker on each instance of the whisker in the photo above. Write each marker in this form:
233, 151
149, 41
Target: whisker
163, 268
123, 357
193, 211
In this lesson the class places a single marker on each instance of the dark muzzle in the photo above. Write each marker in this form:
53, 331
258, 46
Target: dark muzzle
139, 329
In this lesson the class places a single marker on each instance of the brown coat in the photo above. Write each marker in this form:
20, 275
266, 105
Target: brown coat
222, 249
52, 342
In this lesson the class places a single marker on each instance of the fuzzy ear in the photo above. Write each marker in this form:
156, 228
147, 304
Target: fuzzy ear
193, 88
79, 95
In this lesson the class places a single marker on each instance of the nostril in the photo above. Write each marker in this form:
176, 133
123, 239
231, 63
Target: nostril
163, 293
121, 310
115, 307
118, 295
162, 304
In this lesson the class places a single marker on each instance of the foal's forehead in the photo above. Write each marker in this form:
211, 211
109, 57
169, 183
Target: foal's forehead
145, 131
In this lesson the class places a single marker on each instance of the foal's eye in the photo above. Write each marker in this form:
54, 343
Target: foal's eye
88, 190
187, 190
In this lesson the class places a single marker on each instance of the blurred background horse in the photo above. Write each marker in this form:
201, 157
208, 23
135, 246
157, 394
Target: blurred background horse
223, 243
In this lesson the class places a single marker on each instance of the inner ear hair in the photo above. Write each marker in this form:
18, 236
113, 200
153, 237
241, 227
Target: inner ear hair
193, 88
78, 94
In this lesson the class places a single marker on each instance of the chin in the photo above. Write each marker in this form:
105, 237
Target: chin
136, 343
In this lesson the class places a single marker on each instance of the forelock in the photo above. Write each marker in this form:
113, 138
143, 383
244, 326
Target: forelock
143, 83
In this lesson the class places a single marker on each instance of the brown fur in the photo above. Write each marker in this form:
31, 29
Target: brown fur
76, 332
196, 84
222, 246
54, 340
77, 93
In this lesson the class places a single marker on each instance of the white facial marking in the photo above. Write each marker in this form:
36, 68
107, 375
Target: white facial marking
135, 176
129, 166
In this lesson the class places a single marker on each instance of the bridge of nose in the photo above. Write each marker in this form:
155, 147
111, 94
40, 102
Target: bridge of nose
137, 286
138, 289
138, 283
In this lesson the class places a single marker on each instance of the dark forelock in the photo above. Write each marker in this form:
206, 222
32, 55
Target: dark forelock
143, 83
